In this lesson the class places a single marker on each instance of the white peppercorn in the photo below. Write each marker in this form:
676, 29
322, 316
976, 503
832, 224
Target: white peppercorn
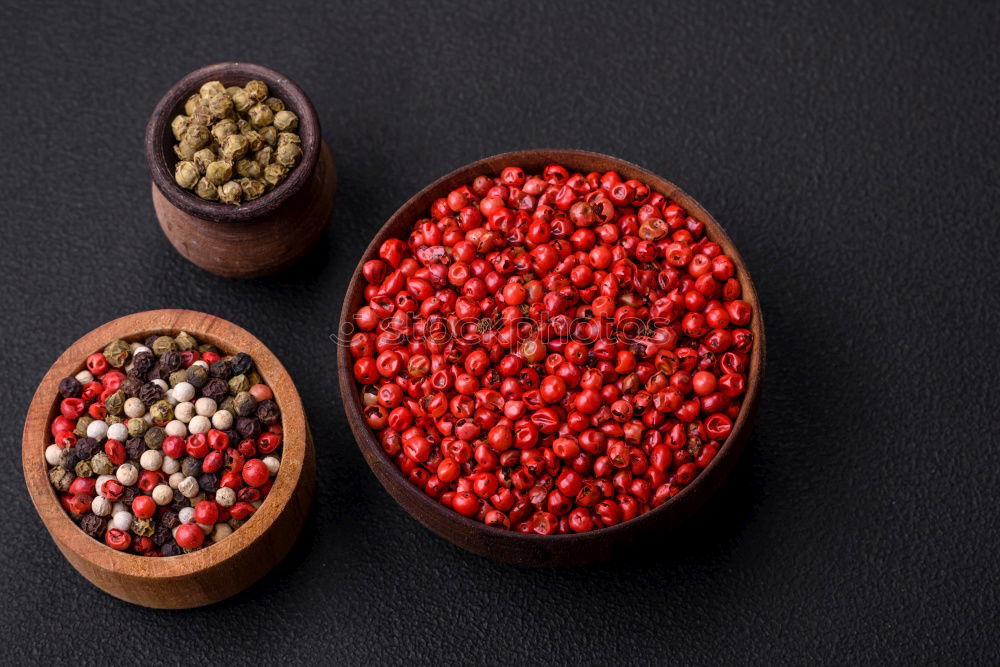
162, 494
122, 520
189, 487
134, 407
184, 411
151, 459
99, 484
225, 496
175, 479
273, 464
118, 432
97, 430
222, 420
127, 474
177, 428
170, 465
205, 406
186, 515
52, 453
183, 391
220, 532
101, 506
199, 424
84, 376
162, 384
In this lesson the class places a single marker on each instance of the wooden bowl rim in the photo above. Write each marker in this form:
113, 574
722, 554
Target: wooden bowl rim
159, 141
206, 328
492, 165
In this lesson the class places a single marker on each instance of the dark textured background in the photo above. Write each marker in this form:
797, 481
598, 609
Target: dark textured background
850, 151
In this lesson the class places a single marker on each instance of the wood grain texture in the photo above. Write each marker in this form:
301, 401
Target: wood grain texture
255, 238
554, 550
210, 574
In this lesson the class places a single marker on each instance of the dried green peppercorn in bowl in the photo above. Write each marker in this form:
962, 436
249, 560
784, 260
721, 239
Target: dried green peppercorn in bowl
197, 146
229, 561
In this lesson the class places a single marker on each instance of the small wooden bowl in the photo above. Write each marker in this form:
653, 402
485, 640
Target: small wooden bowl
553, 550
215, 572
255, 238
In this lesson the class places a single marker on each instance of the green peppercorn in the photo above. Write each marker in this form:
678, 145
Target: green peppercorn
177, 377
206, 190
113, 419
210, 89
220, 105
245, 403
253, 377
264, 156
184, 152
190, 466
256, 90
241, 101
81, 426
223, 129
285, 121
179, 125
234, 147
249, 169
61, 478
185, 341
117, 352
251, 188
228, 405
256, 142
288, 154
269, 134
154, 437
238, 384
274, 174
186, 173
191, 104
275, 104
197, 136
230, 192
137, 426
202, 158
219, 172
201, 115
115, 402
143, 527
101, 464
260, 115
162, 344
83, 469
161, 411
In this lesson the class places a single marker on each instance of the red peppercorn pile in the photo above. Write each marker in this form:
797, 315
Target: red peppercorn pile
164, 446
552, 353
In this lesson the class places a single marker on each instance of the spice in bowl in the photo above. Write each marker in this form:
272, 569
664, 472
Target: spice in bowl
164, 446
234, 144
552, 353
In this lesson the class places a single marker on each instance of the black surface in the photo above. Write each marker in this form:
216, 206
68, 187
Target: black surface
850, 151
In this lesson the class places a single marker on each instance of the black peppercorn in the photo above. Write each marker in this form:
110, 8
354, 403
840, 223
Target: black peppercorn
129, 494
221, 369
161, 534
159, 372
150, 393
197, 376
248, 427
248, 494
267, 411
171, 360
142, 362
190, 466
209, 482
232, 434
171, 549
68, 458
179, 502
93, 525
216, 389
70, 388
150, 340
134, 447
86, 448
131, 385
241, 363
170, 519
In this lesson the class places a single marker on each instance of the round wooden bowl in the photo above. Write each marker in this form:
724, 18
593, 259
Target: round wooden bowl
217, 571
255, 238
553, 550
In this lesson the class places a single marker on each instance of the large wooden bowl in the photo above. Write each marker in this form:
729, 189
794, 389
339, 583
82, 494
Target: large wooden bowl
554, 550
215, 572
255, 238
